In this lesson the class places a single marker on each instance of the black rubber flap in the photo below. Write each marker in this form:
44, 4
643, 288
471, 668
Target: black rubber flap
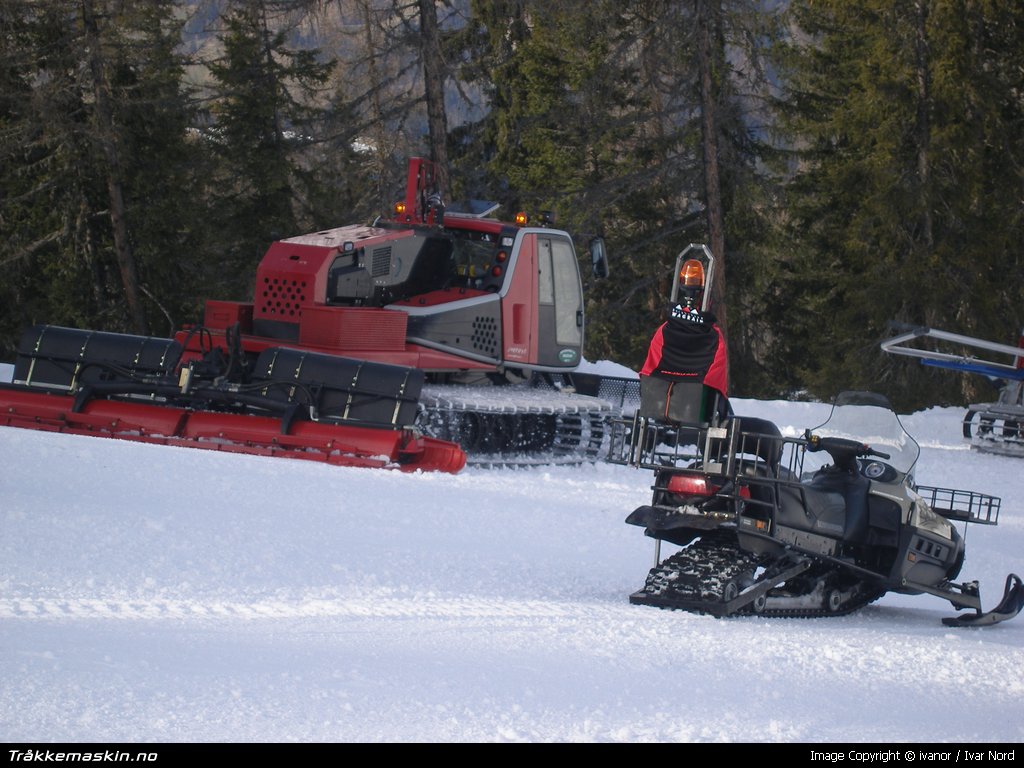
56, 357
341, 387
680, 402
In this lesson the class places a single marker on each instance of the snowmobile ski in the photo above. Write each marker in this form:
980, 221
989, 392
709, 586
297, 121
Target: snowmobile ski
1008, 607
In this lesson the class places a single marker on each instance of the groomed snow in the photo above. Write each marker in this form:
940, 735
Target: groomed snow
155, 594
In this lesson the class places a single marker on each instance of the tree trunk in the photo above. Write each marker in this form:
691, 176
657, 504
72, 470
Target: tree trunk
381, 144
708, 13
106, 136
923, 127
433, 81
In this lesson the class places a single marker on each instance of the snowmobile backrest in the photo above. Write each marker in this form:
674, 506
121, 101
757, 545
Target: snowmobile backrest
676, 402
761, 438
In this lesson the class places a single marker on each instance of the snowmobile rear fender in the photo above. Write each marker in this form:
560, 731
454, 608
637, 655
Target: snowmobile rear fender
671, 518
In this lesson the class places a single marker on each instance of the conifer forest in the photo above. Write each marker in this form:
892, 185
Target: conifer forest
851, 163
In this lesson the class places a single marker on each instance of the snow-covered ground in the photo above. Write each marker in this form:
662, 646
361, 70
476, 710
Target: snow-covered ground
155, 594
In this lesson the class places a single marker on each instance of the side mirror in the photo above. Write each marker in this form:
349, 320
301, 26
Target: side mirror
599, 257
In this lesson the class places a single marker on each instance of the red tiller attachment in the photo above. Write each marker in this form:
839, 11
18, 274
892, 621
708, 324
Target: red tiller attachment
338, 444
289, 404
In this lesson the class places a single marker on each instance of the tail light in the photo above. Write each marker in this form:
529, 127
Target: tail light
698, 485
690, 485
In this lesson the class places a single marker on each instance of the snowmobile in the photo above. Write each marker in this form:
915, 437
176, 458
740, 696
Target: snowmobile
818, 525
995, 427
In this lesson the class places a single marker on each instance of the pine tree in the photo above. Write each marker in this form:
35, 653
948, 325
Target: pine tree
74, 74
632, 121
562, 133
266, 113
907, 118
166, 165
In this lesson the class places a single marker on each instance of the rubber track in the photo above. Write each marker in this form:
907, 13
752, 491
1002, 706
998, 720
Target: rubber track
698, 574
511, 427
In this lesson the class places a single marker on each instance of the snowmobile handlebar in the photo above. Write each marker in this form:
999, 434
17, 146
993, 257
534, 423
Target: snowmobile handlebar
840, 447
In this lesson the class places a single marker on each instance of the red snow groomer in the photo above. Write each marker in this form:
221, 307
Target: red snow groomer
367, 345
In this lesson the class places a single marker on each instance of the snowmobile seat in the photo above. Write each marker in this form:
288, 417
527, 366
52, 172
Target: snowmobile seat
853, 487
833, 504
809, 509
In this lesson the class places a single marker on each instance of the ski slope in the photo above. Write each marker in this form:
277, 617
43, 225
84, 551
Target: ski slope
158, 594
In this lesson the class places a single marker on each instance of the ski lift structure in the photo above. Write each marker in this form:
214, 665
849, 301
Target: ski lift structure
995, 427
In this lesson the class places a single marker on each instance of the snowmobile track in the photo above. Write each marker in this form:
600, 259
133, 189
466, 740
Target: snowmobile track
707, 575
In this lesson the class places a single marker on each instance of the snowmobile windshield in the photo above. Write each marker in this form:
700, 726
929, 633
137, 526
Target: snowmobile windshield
868, 418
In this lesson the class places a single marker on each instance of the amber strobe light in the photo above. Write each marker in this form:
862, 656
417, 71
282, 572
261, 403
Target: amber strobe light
692, 273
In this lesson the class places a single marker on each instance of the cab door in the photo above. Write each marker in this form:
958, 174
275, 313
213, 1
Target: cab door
559, 303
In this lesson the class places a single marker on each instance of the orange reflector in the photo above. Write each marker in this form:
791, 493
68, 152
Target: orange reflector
399, 208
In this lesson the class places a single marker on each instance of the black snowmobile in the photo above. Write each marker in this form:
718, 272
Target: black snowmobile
818, 525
